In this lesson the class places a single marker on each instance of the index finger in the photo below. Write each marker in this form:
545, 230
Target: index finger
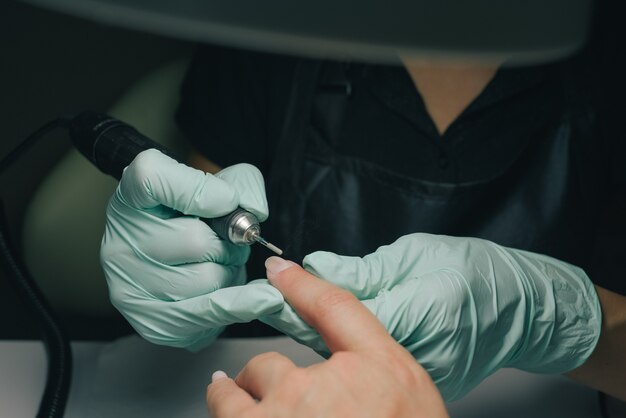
154, 179
341, 319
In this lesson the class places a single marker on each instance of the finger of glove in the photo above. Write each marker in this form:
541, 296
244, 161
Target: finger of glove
408, 257
202, 340
237, 304
178, 241
171, 241
154, 179
132, 274
289, 323
363, 277
180, 323
248, 182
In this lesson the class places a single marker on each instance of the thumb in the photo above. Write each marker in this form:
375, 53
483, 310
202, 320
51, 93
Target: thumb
229, 305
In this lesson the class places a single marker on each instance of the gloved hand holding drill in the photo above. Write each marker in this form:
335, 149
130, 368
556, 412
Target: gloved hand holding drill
168, 273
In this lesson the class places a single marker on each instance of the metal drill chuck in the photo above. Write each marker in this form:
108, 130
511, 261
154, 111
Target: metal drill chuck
244, 228
240, 227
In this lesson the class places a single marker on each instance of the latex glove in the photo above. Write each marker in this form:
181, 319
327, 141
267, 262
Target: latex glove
466, 307
168, 273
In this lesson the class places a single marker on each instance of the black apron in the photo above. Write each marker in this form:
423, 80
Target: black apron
322, 200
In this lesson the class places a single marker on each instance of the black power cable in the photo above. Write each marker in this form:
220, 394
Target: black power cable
58, 350
30, 140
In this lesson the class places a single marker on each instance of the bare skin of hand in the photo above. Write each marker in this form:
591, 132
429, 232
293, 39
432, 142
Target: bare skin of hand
368, 375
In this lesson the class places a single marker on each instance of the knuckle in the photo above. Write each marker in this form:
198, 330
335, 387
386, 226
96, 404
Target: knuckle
333, 302
248, 169
159, 334
107, 254
416, 236
226, 190
263, 358
117, 298
408, 373
142, 168
111, 252
242, 177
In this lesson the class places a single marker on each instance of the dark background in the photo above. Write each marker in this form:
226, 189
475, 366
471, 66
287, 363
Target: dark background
53, 64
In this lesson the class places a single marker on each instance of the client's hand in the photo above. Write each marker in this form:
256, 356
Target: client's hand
368, 375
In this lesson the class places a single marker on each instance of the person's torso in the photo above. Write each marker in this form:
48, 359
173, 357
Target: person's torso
360, 165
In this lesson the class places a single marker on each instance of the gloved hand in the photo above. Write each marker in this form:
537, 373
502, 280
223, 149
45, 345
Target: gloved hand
168, 273
465, 307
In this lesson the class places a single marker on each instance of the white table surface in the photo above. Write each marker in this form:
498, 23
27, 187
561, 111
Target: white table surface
133, 378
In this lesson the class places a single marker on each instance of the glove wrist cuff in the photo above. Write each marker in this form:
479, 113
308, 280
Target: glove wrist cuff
564, 328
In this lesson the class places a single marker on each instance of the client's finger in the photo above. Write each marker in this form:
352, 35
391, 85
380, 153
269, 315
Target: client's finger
263, 373
342, 321
225, 399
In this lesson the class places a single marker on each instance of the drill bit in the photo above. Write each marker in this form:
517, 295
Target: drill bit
268, 245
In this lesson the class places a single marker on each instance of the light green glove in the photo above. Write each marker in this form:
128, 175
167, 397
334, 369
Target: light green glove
169, 274
466, 307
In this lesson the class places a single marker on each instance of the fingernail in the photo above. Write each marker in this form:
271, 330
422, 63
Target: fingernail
218, 375
275, 265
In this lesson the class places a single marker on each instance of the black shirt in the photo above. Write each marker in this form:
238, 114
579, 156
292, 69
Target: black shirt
233, 106
234, 103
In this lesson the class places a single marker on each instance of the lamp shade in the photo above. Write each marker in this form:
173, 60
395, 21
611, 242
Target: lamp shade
375, 30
